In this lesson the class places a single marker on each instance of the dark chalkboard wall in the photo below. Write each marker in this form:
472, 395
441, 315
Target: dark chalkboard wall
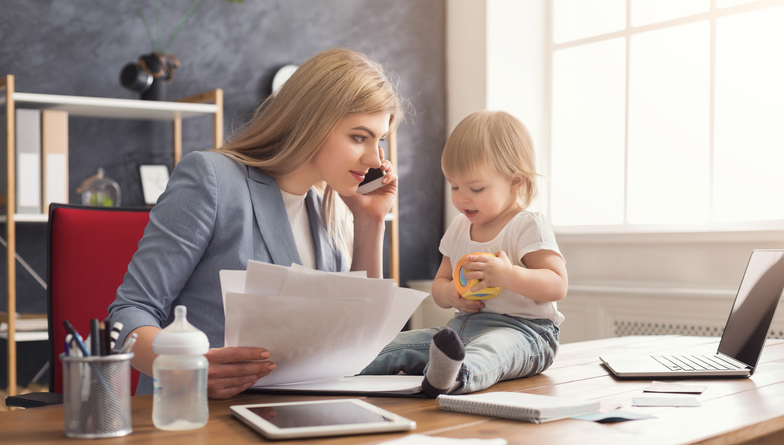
78, 47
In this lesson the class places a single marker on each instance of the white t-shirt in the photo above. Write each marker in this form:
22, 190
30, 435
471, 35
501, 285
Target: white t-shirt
300, 226
526, 232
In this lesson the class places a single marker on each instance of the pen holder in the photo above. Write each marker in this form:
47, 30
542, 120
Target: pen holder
97, 396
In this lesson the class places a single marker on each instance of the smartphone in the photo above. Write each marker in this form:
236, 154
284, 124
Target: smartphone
372, 181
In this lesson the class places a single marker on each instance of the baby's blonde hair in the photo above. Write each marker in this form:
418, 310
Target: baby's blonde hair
290, 126
495, 140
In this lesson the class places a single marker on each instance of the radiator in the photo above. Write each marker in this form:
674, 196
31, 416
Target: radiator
625, 328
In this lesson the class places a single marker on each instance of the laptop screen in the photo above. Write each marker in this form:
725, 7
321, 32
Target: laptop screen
756, 301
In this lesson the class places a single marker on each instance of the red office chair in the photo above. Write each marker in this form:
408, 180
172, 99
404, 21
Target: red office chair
89, 252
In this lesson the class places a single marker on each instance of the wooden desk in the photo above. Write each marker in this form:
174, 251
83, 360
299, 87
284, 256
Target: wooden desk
732, 411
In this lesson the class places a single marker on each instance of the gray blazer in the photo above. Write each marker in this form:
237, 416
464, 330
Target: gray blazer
215, 214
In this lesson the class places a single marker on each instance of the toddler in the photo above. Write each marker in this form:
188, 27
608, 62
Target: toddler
489, 163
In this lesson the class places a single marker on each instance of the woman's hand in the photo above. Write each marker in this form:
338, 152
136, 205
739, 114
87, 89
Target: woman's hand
375, 205
369, 212
235, 369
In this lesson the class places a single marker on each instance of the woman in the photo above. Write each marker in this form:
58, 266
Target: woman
269, 195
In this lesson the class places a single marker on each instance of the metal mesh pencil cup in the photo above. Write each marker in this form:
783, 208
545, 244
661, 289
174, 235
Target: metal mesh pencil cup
97, 396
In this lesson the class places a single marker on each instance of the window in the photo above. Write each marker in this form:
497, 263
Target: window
666, 114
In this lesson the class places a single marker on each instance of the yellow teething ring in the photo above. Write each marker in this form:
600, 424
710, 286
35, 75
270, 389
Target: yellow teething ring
464, 285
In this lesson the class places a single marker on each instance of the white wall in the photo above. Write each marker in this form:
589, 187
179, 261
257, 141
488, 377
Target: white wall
496, 59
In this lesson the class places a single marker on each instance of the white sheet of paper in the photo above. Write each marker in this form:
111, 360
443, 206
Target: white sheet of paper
398, 384
421, 439
665, 401
675, 388
314, 340
231, 281
311, 283
617, 415
264, 278
316, 325
351, 273
405, 302
268, 279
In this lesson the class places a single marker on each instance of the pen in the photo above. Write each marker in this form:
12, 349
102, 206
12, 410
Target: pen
95, 337
67, 342
104, 337
76, 336
114, 335
128, 347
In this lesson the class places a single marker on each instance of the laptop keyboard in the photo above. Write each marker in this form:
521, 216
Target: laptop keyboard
694, 362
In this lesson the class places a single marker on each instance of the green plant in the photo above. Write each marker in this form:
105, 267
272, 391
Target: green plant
99, 199
157, 43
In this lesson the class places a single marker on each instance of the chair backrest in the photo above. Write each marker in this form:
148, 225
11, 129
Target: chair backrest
89, 252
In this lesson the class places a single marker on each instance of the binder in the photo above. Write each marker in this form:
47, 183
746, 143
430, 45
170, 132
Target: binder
28, 161
54, 158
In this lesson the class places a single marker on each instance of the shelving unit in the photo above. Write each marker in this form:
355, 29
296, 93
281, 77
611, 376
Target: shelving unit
209, 103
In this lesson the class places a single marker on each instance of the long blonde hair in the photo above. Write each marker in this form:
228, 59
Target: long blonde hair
497, 140
289, 127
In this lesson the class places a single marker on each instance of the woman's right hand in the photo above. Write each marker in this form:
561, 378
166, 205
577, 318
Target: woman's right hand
235, 369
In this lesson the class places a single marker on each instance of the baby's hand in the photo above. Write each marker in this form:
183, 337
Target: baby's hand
460, 303
490, 271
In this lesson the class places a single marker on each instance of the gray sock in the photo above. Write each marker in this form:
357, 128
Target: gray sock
446, 357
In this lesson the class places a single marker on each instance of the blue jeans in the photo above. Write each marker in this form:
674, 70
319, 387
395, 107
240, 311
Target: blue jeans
498, 347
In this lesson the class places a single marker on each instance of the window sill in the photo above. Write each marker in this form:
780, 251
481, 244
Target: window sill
615, 234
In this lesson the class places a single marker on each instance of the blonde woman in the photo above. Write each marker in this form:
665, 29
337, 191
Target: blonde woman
489, 163
269, 195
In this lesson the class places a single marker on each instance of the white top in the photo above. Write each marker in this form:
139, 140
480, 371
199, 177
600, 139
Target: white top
526, 232
300, 225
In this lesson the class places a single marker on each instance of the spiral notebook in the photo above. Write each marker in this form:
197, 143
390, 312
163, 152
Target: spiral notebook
518, 406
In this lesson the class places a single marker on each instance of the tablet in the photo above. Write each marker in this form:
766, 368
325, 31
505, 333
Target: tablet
319, 418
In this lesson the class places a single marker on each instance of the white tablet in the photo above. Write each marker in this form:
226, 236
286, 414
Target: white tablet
319, 418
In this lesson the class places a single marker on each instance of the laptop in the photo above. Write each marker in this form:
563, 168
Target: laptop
743, 338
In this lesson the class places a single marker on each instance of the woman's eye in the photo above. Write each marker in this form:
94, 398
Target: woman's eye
477, 190
359, 138
454, 189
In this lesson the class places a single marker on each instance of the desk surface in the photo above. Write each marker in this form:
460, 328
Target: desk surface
732, 411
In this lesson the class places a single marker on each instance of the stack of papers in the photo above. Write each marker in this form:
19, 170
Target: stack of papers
318, 326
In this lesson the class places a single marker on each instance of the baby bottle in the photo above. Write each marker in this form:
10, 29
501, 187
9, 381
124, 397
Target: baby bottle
180, 376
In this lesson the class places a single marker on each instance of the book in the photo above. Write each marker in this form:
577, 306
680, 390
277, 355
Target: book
28, 161
54, 157
518, 406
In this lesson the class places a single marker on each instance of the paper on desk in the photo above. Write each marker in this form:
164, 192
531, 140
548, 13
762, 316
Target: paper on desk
316, 325
676, 402
675, 388
421, 439
359, 384
614, 416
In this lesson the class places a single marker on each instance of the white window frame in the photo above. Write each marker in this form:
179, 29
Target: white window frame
762, 231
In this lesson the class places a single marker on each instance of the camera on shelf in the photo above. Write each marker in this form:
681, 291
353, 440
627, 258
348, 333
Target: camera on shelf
149, 75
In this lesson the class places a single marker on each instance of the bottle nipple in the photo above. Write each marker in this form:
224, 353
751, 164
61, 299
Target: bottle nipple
181, 337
